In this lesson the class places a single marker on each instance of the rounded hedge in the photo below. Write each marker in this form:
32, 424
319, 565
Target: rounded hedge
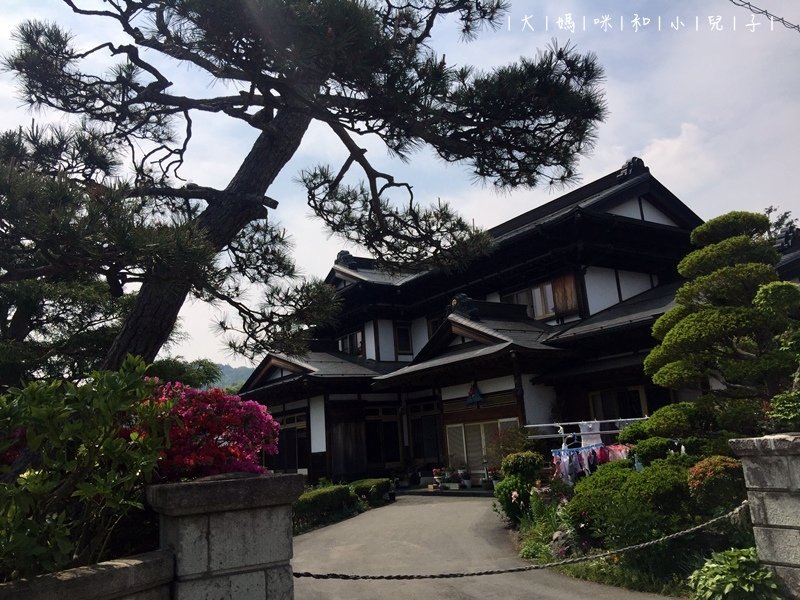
717, 483
679, 420
510, 504
526, 465
653, 448
585, 511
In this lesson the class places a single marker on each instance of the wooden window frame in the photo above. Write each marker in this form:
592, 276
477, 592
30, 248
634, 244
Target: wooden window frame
638, 388
397, 350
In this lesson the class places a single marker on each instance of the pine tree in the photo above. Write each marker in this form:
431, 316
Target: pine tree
357, 66
732, 317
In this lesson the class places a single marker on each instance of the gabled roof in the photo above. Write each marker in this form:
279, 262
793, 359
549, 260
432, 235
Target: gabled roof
359, 268
504, 333
315, 365
634, 178
484, 322
638, 310
633, 174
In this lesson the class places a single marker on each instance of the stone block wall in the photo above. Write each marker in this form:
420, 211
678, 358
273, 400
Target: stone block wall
143, 577
222, 538
772, 476
232, 537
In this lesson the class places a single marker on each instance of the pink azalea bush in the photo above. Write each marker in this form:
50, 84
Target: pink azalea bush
213, 432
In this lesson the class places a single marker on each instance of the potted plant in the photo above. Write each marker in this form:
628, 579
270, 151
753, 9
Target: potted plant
439, 475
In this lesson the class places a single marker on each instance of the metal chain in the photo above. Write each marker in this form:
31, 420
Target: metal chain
761, 11
732, 515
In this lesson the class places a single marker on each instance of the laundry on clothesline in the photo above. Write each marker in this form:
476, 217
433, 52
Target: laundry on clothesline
573, 463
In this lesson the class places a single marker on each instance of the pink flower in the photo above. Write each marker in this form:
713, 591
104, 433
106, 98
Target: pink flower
514, 496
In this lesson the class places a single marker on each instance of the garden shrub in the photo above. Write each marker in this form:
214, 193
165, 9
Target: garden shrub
92, 447
513, 497
372, 491
662, 486
785, 407
633, 433
592, 494
318, 506
213, 432
525, 465
680, 420
538, 523
652, 448
717, 483
709, 445
734, 574
743, 416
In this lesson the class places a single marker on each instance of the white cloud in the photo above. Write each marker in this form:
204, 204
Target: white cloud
714, 115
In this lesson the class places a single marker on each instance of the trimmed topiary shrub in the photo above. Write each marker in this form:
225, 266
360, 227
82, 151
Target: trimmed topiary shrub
679, 420
710, 445
523, 464
734, 574
372, 491
662, 486
318, 506
717, 483
740, 415
585, 511
635, 432
653, 448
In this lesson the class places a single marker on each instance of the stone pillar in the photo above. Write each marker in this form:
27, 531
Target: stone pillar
772, 475
231, 535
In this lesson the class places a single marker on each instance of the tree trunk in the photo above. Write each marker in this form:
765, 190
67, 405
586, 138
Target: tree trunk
161, 297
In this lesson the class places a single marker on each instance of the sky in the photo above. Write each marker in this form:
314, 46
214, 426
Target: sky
704, 91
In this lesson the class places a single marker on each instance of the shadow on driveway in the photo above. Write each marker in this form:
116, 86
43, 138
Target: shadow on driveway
421, 535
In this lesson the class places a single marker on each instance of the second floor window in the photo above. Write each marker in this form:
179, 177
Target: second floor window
402, 337
352, 343
556, 297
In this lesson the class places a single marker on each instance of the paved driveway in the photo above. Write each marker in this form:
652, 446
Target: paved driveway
429, 535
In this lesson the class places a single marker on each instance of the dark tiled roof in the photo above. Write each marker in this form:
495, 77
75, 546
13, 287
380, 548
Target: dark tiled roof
632, 174
789, 265
525, 333
640, 308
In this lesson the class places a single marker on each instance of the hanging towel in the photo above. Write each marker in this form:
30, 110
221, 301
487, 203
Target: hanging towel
590, 433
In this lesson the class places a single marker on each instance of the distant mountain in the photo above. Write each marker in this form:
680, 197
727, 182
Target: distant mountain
233, 375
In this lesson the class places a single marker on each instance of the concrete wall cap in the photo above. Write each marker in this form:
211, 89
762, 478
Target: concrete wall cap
222, 493
778, 444
111, 579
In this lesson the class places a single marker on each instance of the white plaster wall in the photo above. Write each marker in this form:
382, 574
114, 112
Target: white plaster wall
386, 339
687, 395
486, 386
418, 394
376, 397
316, 410
628, 208
651, 213
631, 283
493, 297
601, 288
369, 340
275, 374
419, 334
539, 401
295, 405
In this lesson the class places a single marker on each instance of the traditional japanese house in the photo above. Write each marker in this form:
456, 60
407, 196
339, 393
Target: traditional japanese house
427, 367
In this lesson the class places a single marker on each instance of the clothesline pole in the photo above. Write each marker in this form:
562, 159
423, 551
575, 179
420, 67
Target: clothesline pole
538, 425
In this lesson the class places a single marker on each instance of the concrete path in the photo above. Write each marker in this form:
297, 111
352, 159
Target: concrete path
430, 535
